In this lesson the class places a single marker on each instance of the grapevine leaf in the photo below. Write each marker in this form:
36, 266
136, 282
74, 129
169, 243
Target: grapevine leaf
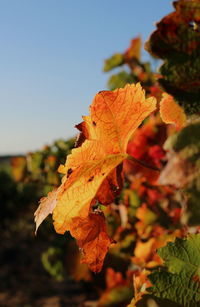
114, 279
114, 116
90, 233
188, 137
47, 204
177, 42
79, 190
116, 60
180, 282
171, 112
120, 79
18, 168
111, 186
134, 51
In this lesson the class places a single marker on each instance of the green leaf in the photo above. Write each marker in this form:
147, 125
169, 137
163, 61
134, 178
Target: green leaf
189, 136
180, 282
52, 263
116, 297
114, 61
120, 80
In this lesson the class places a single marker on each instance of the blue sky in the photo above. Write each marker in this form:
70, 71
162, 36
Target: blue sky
51, 59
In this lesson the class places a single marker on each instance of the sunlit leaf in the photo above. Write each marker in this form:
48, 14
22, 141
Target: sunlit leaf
92, 238
171, 112
114, 116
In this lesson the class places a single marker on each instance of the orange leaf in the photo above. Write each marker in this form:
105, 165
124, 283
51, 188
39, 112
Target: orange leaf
146, 215
114, 116
140, 284
114, 279
92, 238
111, 186
134, 50
19, 165
80, 188
79, 271
171, 112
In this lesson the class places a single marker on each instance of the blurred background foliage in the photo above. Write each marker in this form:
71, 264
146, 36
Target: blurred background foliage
176, 41
153, 208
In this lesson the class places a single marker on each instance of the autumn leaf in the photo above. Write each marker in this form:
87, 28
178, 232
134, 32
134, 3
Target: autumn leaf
92, 238
118, 291
146, 146
143, 251
134, 50
146, 215
47, 204
114, 116
171, 112
73, 266
140, 284
19, 166
176, 41
111, 186
114, 279
81, 187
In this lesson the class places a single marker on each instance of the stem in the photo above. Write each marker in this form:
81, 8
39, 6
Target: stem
155, 168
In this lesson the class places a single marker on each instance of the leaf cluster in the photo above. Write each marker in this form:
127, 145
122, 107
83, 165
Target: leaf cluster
180, 282
176, 41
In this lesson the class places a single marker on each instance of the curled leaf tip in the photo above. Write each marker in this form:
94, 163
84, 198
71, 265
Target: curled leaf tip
46, 206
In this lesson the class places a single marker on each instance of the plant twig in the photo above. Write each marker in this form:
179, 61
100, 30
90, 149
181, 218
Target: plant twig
153, 167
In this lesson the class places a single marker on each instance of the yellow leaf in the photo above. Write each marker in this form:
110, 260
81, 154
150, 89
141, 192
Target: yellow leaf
114, 116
